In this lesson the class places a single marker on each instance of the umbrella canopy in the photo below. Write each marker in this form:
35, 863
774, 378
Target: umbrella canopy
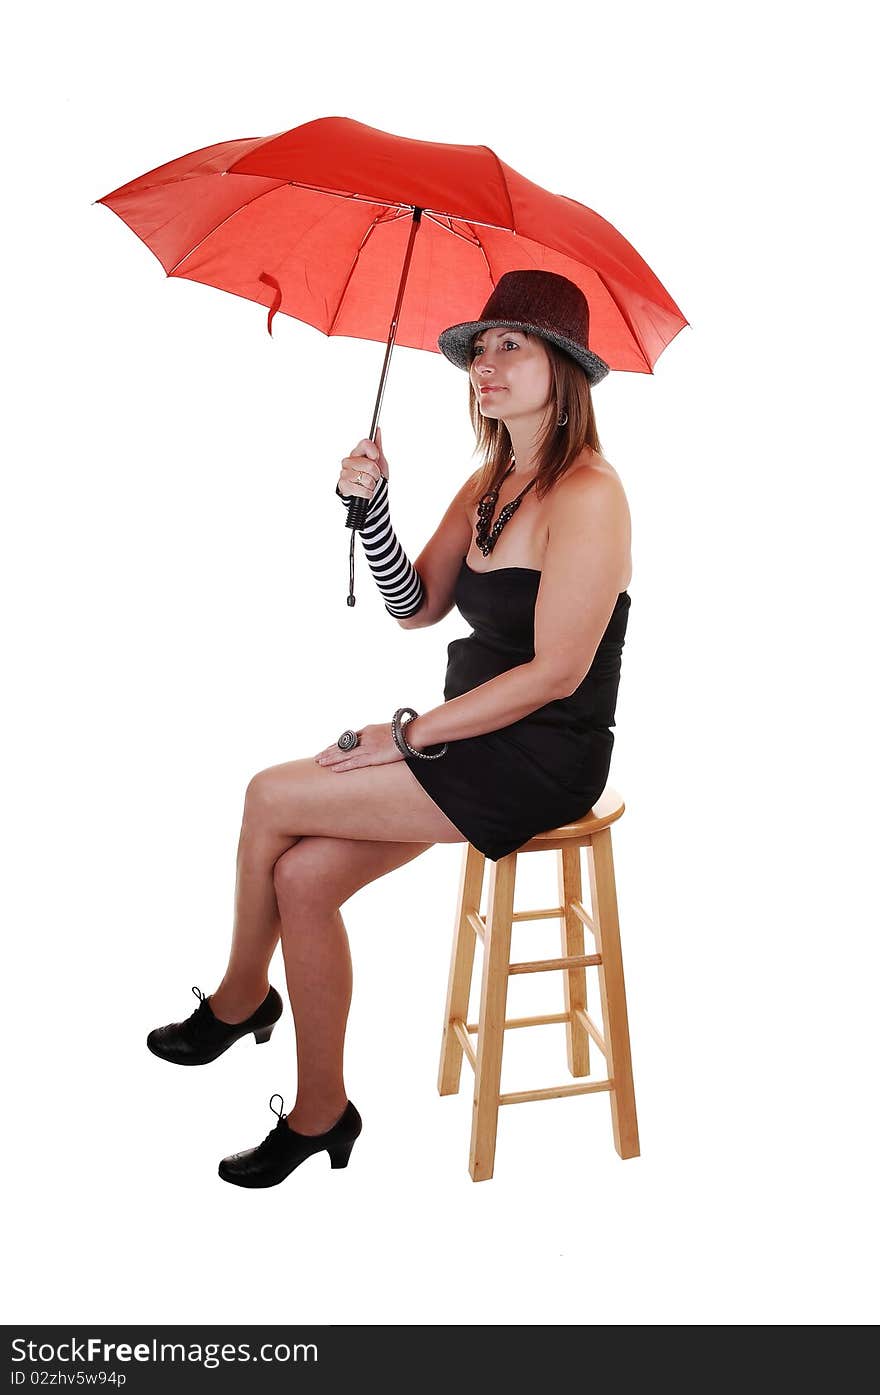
321, 222
316, 221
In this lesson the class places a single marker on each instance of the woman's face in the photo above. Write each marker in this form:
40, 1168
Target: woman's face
511, 374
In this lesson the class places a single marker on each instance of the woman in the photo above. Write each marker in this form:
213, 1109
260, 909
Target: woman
521, 743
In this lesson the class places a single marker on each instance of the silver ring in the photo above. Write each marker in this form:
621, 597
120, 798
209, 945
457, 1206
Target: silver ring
348, 740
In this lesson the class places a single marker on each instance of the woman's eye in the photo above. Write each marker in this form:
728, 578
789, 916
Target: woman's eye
479, 348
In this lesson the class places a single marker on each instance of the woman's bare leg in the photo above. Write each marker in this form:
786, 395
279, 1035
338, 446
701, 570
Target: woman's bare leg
256, 927
312, 880
381, 806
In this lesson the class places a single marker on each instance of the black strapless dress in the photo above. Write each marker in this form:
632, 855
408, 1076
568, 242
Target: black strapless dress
548, 768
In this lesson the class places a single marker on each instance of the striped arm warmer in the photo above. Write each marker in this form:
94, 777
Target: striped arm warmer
396, 577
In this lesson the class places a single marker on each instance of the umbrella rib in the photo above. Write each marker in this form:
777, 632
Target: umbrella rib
364, 240
474, 240
282, 184
471, 222
219, 225
483, 251
625, 317
447, 226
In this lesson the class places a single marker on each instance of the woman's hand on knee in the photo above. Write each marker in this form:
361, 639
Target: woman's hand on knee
375, 746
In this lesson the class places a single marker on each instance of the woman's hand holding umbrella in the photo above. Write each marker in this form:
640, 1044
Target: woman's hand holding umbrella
368, 461
364, 475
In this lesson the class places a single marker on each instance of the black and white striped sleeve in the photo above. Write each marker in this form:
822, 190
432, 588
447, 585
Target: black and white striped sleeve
397, 579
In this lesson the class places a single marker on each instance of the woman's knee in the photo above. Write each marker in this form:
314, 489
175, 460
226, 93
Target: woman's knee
324, 872
261, 796
304, 876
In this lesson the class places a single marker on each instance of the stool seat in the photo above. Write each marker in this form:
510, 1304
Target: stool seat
611, 1037
607, 810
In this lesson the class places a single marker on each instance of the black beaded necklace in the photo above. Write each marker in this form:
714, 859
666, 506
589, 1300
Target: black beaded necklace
485, 538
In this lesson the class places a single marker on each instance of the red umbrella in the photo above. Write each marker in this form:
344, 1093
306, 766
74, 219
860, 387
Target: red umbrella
323, 220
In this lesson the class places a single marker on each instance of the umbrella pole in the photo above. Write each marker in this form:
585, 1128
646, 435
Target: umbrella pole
357, 509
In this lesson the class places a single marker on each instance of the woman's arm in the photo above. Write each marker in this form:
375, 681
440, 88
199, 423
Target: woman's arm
398, 581
421, 594
513, 694
585, 559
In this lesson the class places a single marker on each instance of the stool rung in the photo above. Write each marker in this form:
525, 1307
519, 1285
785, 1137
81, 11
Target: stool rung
571, 961
589, 1025
556, 1092
461, 1032
583, 915
476, 922
463, 1029
527, 1021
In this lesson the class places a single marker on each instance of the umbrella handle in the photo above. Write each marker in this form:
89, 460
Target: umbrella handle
357, 512
357, 509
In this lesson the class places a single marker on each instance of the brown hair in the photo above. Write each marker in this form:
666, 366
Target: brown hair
559, 446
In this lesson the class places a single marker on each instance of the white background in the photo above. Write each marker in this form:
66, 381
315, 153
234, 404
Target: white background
176, 565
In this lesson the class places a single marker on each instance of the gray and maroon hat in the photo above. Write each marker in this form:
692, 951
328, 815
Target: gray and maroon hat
543, 303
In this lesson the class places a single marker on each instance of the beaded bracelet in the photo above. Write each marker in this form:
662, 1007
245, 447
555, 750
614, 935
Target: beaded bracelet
400, 740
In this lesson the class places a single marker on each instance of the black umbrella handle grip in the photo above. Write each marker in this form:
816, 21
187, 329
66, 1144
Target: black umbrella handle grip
357, 512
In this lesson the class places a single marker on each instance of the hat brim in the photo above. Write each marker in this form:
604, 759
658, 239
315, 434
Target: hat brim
455, 344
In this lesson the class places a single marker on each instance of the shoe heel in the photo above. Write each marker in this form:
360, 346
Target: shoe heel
263, 1033
340, 1155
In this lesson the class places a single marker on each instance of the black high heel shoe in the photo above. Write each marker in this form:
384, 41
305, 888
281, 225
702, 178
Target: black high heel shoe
284, 1149
203, 1037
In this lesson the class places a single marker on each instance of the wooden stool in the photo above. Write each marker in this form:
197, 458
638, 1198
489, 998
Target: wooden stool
593, 833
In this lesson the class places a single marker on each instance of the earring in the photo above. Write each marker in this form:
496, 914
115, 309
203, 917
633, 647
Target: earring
561, 421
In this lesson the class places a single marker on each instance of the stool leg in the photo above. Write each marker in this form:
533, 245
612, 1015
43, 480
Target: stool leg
574, 981
461, 968
493, 1009
613, 994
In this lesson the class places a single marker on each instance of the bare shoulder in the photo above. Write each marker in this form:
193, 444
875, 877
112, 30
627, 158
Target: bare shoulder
591, 493
591, 473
